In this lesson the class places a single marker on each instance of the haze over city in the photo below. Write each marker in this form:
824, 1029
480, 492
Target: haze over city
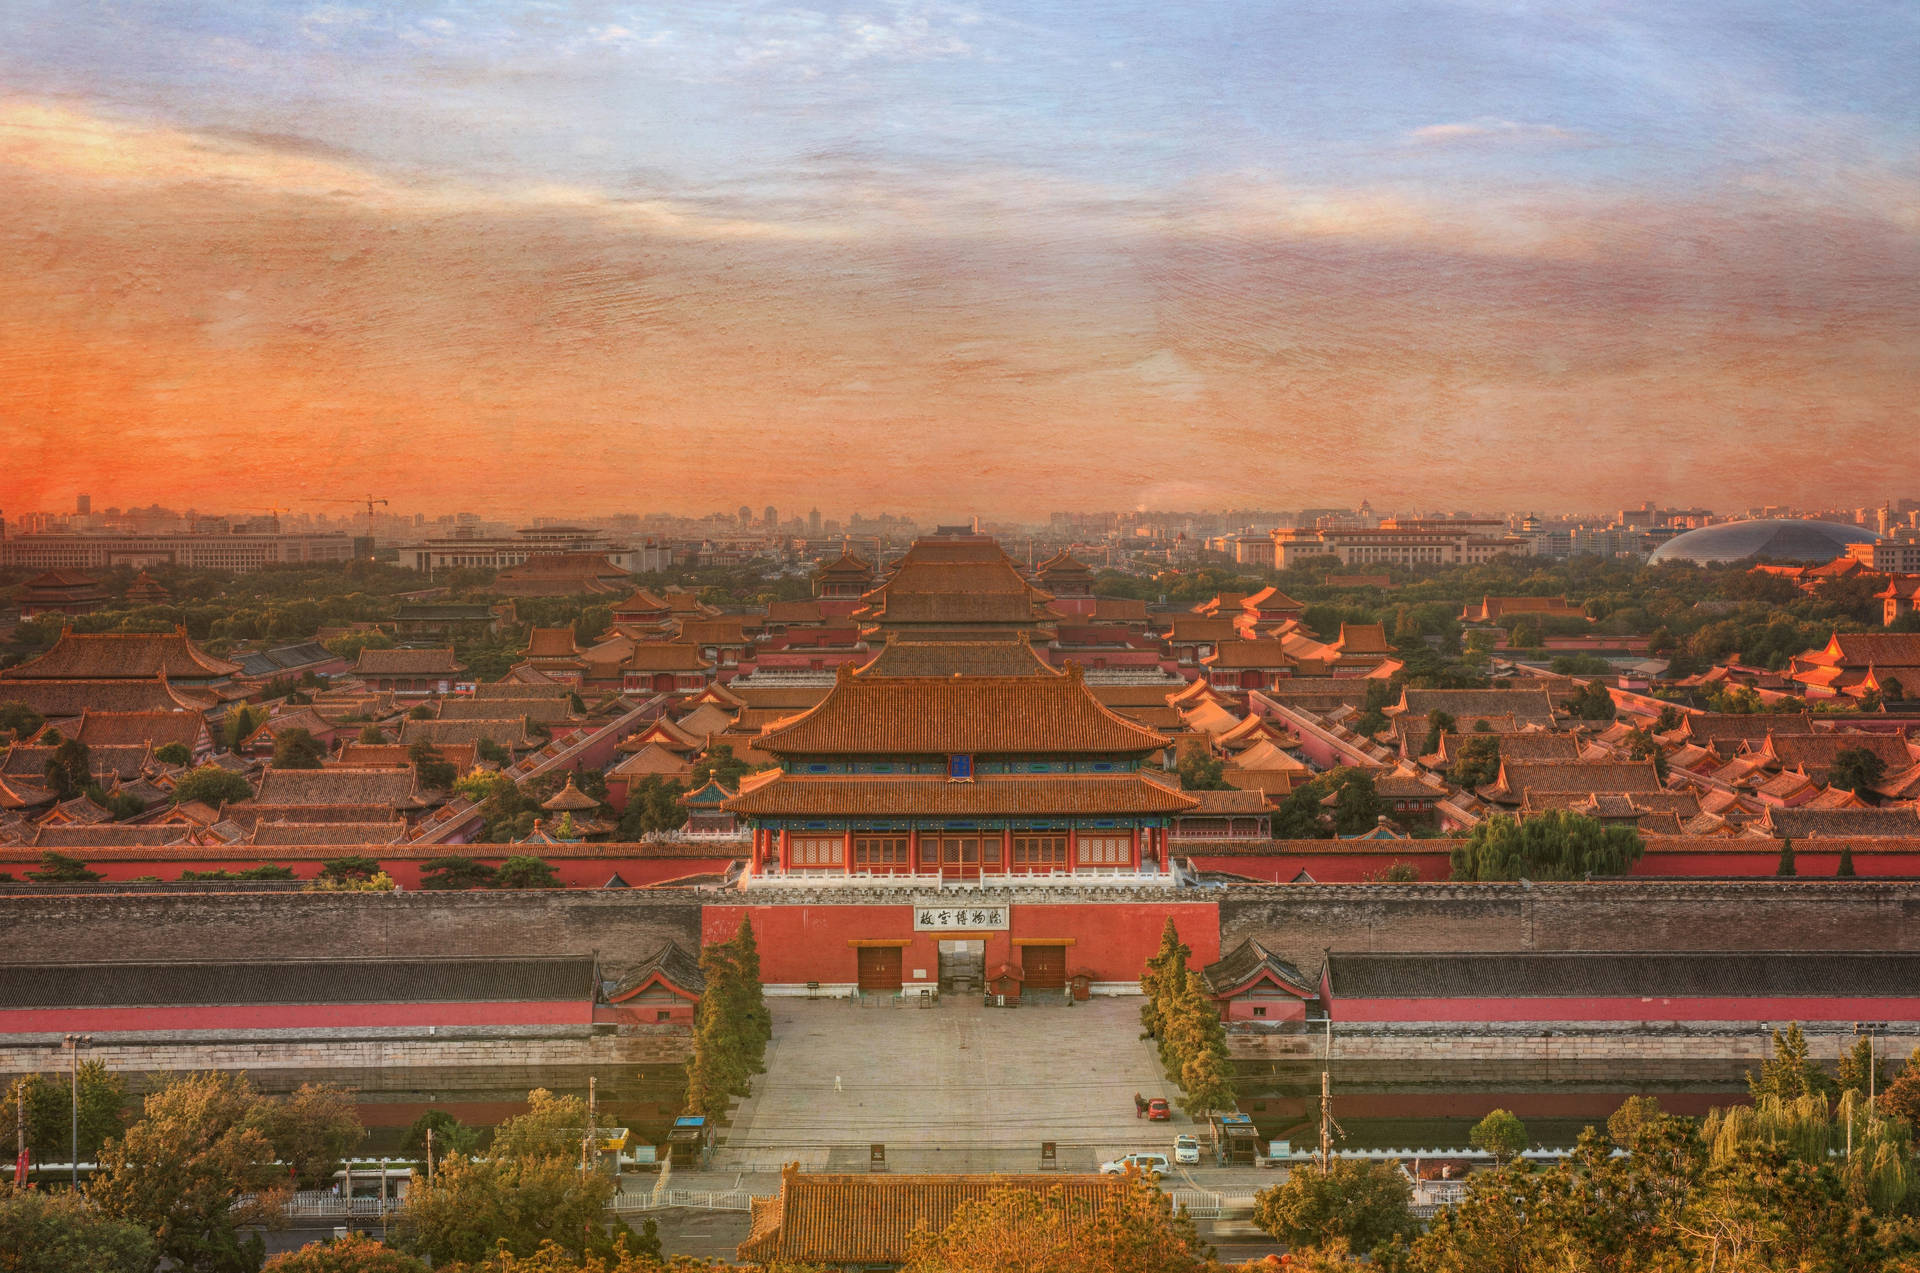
1006, 258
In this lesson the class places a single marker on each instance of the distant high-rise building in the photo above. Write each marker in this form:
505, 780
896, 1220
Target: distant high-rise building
83, 505
772, 518
746, 515
813, 523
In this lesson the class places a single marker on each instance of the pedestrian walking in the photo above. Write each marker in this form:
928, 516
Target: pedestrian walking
1139, 1105
836, 1083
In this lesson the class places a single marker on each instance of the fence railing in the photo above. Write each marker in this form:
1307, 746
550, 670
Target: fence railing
1201, 1204
701, 1199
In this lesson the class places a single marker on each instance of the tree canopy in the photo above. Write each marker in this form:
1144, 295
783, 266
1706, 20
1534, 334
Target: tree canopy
1556, 845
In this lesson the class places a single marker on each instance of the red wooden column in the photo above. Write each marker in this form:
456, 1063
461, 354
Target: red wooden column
1073, 849
1136, 848
786, 849
1006, 850
846, 852
913, 850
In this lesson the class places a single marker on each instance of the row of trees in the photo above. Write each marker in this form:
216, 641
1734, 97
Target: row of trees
732, 1027
189, 1185
1180, 1016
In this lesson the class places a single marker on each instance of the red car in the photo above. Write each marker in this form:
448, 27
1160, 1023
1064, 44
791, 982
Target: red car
1158, 1111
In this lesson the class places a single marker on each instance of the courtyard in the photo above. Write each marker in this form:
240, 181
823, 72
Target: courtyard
956, 1087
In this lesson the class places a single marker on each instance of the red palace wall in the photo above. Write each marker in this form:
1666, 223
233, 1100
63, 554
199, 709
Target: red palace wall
802, 943
1635, 1009
220, 1018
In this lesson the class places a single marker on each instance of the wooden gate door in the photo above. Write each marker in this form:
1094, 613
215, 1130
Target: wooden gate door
879, 969
1045, 966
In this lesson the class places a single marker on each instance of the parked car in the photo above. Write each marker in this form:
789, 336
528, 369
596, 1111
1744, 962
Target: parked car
1186, 1150
1153, 1166
1158, 1111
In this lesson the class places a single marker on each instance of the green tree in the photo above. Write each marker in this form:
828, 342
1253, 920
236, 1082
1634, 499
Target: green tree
1858, 1070
58, 868
724, 1039
354, 866
1845, 868
552, 1127
750, 996
450, 1136
1789, 1073
455, 872
1438, 723
1555, 845
180, 1171
296, 748
653, 804
474, 1208
1200, 769
1207, 1082
1786, 866
523, 871
239, 723
1193, 1048
1477, 763
1499, 1134
311, 1130
420, 711
493, 753
173, 754
430, 767
1856, 769
49, 1105
372, 734
69, 769
213, 786
1668, 721
42, 1232
1356, 804
1165, 974
719, 764
1634, 1113
1592, 703
19, 721
1357, 1203
1901, 1098
355, 1253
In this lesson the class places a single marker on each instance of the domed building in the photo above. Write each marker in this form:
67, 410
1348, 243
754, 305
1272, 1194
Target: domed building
1781, 539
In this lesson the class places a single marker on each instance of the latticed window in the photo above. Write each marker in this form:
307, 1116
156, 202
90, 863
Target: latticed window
882, 851
1043, 851
1104, 850
817, 850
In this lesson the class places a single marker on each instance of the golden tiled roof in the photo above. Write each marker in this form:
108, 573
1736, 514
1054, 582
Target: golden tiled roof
974, 715
834, 1219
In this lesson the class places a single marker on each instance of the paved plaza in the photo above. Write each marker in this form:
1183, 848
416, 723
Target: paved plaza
953, 1087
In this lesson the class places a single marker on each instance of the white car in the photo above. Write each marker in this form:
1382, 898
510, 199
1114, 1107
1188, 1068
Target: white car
1152, 1166
1186, 1151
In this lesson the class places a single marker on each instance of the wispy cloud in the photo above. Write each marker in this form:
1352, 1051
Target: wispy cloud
1490, 130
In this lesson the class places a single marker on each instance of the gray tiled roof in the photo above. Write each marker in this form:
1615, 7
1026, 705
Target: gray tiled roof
297, 981
1609, 974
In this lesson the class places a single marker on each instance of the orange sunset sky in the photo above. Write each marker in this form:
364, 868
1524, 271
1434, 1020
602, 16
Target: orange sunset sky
940, 259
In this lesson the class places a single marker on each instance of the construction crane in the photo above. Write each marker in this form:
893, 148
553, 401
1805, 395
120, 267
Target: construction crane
369, 501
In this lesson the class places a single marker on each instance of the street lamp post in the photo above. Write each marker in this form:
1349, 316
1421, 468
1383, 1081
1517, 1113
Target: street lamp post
74, 1043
